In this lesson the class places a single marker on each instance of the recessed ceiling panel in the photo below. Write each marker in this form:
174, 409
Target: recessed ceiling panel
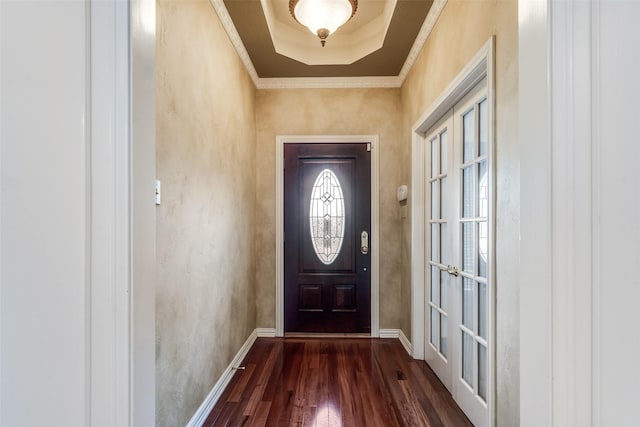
251, 24
360, 36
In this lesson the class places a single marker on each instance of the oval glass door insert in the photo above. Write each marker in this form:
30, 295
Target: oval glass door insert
326, 216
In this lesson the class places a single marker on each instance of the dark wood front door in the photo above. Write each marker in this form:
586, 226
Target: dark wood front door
327, 221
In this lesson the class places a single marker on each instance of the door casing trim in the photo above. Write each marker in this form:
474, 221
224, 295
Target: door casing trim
375, 219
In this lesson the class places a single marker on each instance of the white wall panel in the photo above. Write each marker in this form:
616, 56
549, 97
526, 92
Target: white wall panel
43, 371
535, 208
579, 286
617, 117
76, 306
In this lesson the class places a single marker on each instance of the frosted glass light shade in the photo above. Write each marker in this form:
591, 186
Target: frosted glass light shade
323, 17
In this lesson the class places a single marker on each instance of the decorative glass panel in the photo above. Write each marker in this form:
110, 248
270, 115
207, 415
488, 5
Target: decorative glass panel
483, 190
467, 247
443, 290
467, 302
468, 133
435, 242
443, 335
483, 243
326, 217
482, 119
435, 275
435, 200
443, 152
434, 327
435, 170
467, 192
482, 372
482, 310
443, 202
467, 358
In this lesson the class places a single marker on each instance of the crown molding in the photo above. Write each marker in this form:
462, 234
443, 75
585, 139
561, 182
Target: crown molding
234, 37
329, 82
418, 44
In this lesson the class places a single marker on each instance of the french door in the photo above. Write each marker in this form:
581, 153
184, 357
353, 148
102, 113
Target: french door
458, 306
438, 309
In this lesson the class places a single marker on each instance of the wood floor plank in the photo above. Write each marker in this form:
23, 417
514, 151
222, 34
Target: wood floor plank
259, 418
254, 400
241, 386
346, 382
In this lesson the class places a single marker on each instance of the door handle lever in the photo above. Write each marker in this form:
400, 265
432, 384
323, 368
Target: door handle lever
453, 270
364, 242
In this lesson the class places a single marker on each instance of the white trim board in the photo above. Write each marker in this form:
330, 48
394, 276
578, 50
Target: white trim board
266, 332
142, 152
209, 402
577, 226
399, 334
534, 112
109, 142
329, 82
375, 218
573, 228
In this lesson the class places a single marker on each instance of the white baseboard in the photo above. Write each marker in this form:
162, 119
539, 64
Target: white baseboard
406, 343
397, 333
266, 332
389, 333
205, 408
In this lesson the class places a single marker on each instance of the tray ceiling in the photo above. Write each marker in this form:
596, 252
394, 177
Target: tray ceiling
375, 43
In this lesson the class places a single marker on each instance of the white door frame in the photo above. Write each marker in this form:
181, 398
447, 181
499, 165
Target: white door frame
142, 321
561, 61
481, 66
110, 280
122, 213
375, 218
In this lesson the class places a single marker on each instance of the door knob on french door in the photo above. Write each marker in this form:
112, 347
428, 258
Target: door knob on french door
453, 270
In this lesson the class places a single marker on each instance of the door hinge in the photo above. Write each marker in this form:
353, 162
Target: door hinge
368, 146
158, 192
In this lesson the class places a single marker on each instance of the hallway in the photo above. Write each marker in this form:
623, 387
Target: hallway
334, 382
141, 226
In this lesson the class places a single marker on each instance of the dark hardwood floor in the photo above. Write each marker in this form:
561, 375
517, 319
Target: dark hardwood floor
347, 382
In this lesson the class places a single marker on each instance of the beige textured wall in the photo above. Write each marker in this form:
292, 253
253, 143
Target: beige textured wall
462, 29
205, 225
330, 112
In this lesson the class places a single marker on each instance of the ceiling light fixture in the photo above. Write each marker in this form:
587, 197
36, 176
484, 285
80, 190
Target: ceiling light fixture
322, 17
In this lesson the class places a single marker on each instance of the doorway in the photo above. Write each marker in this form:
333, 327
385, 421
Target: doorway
327, 222
458, 257
453, 274
365, 142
